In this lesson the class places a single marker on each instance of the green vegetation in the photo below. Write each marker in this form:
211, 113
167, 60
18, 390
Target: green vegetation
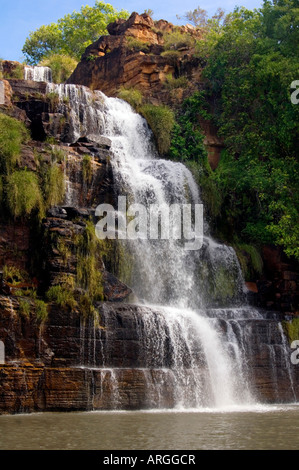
54, 185
62, 295
134, 44
71, 34
161, 120
87, 169
132, 96
86, 287
53, 100
23, 193
24, 307
62, 66
12, 274
250, 62
89, 276
172, 83
291, 329
171, 55
41, 310
13, 134
178, 40
17, 72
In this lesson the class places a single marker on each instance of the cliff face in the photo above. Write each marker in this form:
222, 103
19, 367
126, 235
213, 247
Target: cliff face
72, 363
132, 56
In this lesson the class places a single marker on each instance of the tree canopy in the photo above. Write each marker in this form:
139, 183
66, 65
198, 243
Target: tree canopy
250, 65
72, 33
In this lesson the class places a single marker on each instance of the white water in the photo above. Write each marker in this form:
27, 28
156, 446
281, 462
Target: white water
165, 273
207, 366
38, 74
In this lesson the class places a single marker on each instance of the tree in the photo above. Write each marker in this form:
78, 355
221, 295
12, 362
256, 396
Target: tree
200, 19
72, 33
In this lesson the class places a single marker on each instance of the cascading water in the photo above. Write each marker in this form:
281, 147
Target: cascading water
167, 274
193, 333
38, 74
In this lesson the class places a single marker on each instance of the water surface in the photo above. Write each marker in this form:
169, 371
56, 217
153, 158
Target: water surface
258, 428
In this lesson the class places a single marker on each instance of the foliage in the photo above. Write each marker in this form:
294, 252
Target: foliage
24, 307
71, 34
177, 40
250, 259
161, 120
53, 99
250, 65
23, 193
13, 134
12, 274
62, 296
172, 83
171, 55
41, 310
136, 45
62, 66
291, 329
17, 72
132, 96
187, 138
54, 186
89, 276
87, 168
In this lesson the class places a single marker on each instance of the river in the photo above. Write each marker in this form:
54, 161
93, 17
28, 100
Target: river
273, 427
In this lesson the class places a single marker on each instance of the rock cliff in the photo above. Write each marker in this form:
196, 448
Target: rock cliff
133, 55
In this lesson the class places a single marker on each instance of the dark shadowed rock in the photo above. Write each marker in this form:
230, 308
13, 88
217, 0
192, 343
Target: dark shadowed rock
114, 289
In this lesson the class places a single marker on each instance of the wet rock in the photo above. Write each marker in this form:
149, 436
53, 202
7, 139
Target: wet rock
57, 212
114, 289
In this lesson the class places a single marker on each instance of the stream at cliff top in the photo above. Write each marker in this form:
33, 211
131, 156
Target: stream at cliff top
266, 428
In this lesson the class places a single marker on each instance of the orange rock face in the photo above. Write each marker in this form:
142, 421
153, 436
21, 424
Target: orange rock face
131, 56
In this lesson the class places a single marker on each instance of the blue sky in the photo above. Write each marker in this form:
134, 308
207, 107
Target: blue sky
19, 17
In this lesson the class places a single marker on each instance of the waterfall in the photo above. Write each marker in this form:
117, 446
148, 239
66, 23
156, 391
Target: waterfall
164, 272
191, 336
169, 277
38, 74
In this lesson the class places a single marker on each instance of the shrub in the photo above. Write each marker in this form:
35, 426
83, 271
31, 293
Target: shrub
87, 168
23, 194
24, 307
13, 134
89, 276
177, 40
62, 66
291, 329
62, 296
53, 99
171, 55
54, 186
17, 72
161, 120
173, 83
250, 260
134, 44
41, 310
132, 96
13, 275
57, 154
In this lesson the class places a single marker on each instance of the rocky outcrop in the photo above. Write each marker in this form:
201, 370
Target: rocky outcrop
131, 57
